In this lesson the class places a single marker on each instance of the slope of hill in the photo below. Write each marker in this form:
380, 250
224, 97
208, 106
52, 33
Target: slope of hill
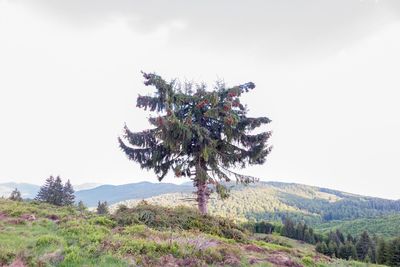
27, 190
86, 186
275, 201
116, 193
33, 234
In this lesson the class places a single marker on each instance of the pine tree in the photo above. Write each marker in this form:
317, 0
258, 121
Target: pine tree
340, 236
200, 134
382, 251
363, 245
57, 197
46, 191
15, 195
333, 249
321, 247
81, 206
350, 238
394, 253
68, 194
102, 208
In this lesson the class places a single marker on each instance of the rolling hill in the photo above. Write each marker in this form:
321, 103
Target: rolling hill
116, 193
275, 201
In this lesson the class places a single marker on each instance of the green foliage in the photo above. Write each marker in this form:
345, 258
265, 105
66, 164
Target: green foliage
102, 220
307, 261
47, 240
180, 218
200, 134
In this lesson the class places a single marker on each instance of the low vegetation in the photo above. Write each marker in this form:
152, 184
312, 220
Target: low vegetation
40, 234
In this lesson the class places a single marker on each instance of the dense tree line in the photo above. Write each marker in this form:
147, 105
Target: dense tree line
362, 248
336, 244
300, 231
56, 193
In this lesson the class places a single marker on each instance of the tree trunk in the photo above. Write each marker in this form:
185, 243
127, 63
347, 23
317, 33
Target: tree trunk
202, 196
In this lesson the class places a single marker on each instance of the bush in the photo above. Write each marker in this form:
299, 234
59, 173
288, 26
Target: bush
47, 240
104, 221
184, 218
307, 261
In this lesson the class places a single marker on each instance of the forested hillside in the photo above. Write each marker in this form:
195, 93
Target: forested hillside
275, 201
387, 226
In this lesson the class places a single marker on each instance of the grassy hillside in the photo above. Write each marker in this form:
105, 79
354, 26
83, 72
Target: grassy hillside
33, 234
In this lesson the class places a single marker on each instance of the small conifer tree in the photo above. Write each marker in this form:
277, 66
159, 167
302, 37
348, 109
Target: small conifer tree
81, 206
15, 195
46, 191
102, 208
68, 194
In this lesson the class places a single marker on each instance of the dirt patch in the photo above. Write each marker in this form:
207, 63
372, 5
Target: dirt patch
232, 261
199, 242
254, 248
110, 245
281, 259
17, 263
3, 216
28, 217
54, 257
16, 221
53, 217
171, 261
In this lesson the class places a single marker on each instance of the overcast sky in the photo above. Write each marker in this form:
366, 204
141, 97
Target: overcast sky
327, 74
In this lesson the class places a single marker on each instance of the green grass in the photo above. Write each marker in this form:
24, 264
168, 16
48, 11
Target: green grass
146, 236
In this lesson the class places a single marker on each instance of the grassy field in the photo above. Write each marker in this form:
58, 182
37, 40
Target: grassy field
37, 234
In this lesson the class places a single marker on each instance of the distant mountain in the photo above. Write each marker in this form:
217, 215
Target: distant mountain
86, 186
27, 190
276, 201
116, 193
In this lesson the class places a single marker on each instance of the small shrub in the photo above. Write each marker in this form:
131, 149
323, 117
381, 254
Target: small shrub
47, 240
136, 229
6, 257
71, 256
103, 221
307, 261
234, 234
